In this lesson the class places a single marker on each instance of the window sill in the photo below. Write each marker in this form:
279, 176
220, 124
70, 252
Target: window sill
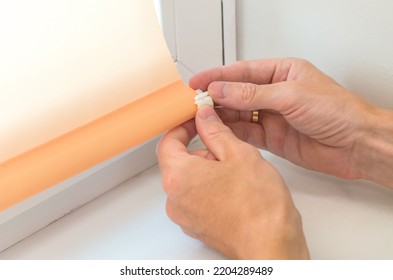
29, 216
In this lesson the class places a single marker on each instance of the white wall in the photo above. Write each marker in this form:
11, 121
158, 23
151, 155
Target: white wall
351, 40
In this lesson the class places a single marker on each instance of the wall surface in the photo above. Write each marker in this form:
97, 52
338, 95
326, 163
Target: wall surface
349, 40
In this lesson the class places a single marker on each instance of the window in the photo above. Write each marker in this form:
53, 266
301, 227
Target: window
39, 210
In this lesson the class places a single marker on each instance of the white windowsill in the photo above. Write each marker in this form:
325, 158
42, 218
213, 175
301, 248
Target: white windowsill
128, 222
342, 220
34, 213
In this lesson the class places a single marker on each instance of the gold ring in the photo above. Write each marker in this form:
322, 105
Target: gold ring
255, 116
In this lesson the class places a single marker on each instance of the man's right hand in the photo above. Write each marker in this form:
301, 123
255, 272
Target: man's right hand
305, 116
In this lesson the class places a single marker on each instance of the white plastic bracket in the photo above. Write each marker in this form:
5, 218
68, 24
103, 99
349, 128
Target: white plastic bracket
203, 98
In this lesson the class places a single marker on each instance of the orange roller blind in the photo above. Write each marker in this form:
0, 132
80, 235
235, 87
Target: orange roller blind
80, 82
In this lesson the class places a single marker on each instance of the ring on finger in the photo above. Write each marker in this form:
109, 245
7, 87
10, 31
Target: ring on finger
255, 116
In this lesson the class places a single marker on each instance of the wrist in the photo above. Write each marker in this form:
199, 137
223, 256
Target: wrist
279, 237
373, 153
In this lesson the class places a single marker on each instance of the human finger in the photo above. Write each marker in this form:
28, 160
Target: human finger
217, 137
257, 72
280, 97
175, 141
230, 115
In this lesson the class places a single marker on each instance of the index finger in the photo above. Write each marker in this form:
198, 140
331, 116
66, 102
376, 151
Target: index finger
174, 143
257, 72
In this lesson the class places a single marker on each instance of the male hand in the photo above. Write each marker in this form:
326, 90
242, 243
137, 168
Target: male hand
227, 195
305, 116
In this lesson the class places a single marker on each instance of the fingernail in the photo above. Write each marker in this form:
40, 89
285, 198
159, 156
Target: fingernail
218, 89
207, 113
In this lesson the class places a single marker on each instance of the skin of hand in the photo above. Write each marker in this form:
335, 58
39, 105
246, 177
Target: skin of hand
305, 117
227, 195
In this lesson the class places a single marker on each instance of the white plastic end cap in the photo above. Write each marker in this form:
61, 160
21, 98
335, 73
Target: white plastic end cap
203, 98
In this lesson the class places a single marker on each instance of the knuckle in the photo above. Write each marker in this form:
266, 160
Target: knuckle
171, 212
291, 94
248, 92
298, 61
219, 133
249, 150
170, 183
159, 150
160, 147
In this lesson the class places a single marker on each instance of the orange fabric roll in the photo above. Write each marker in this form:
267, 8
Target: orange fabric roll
80, 149
80, 82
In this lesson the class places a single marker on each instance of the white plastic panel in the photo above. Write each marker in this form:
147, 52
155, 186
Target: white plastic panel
199, 33
196, 33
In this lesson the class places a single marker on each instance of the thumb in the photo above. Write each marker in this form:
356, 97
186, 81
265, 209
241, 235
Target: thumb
248, 96
217, 137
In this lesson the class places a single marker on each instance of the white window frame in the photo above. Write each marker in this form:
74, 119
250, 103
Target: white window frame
226, 42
